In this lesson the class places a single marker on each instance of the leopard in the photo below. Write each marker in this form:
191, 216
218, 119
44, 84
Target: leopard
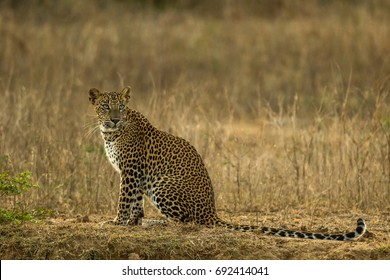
168, 171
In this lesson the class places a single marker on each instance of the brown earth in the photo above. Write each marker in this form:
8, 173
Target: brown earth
86, 238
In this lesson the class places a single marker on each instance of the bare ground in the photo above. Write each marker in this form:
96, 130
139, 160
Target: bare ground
86, 238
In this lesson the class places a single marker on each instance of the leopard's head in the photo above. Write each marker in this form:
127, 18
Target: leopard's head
110, 108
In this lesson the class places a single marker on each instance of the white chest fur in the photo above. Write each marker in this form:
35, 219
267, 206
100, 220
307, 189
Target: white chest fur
112, 154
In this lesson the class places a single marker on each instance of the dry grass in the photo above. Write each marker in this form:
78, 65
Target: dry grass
288, 105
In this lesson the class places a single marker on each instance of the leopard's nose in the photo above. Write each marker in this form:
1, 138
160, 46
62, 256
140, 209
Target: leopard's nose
115, 121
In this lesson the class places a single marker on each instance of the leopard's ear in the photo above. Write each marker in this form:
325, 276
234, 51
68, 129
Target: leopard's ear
93, 95
125, 93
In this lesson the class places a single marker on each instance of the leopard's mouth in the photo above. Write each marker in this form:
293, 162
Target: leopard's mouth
111, 125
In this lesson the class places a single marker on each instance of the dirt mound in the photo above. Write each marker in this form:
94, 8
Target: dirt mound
87, 238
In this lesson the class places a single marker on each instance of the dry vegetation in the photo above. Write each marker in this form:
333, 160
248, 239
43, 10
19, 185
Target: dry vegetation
288, 105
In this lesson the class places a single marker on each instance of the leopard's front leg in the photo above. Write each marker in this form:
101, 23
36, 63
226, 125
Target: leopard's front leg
130, 205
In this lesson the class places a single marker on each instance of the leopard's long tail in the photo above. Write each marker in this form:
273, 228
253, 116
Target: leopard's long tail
359, 231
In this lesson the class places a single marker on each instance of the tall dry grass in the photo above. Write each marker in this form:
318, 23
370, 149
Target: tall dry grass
288, 105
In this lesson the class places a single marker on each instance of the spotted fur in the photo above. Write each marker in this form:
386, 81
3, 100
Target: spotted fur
166, 169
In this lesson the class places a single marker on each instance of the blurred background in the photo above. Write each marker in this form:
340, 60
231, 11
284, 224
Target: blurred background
287, 101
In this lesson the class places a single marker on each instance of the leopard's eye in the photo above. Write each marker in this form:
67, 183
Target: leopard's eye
106, 107
121, 107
